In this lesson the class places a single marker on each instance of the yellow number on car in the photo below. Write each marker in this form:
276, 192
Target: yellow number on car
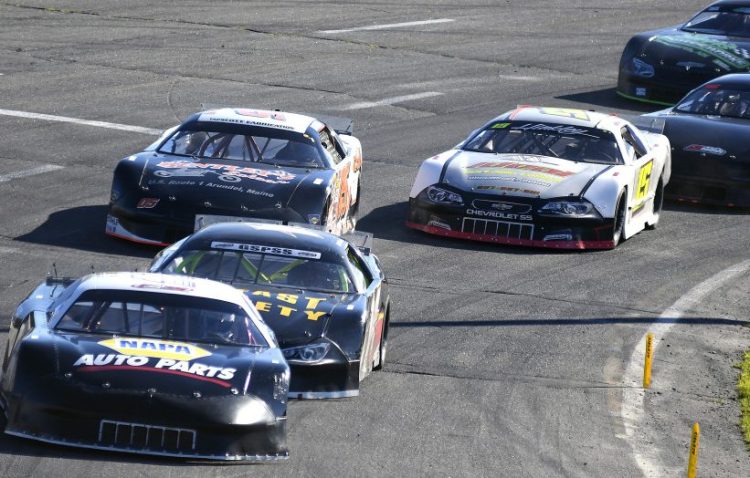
566, 113
644, 178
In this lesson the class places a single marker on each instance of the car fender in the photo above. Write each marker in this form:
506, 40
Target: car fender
605, 190
311, 194
430, 171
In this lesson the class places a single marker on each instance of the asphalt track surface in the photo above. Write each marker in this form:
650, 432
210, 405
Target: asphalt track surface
503, 361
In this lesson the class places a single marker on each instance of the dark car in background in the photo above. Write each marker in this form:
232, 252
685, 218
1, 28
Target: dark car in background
662, 66
709, 130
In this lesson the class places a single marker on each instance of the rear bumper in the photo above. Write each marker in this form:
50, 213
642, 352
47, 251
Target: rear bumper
162, 230
335, 379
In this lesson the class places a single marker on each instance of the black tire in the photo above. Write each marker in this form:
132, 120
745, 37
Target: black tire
619, 226
383, 343
658, 203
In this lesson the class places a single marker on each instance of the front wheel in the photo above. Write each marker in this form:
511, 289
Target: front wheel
658, 203
619, 226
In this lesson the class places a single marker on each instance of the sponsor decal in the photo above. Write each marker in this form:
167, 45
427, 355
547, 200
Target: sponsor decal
509, 189
642, 69
558, 237
566, 113
439, 223
155, 348
558, 128
641, 91
226, 172
499, 215
501, 206
688, 65
122, 362
147, 203
272, 250
724, 54
274, 115
288, 303
527, 167
500, 125
700, 148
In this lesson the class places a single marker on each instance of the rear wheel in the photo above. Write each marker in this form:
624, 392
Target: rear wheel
383, 348
619, 226
658, 203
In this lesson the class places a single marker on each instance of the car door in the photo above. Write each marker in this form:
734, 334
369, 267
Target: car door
641, 158
375, 311
346, 181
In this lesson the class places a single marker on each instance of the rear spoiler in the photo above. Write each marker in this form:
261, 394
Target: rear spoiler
361, 240
651, 124
338, 124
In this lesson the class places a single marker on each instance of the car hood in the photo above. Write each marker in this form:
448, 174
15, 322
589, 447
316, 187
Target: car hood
297, 316
144, 364
696, 51
707, 136
518, 175
220, 185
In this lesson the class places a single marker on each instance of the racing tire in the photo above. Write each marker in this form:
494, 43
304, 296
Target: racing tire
658, 203
619, 226
383, 343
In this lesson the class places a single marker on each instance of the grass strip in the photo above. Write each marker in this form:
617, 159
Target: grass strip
743, 392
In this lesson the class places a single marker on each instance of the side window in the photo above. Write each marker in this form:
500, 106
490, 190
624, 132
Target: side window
632, 140
361, 274
329, 145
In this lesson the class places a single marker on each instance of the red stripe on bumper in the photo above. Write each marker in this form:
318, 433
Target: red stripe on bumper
137, 241
515, 242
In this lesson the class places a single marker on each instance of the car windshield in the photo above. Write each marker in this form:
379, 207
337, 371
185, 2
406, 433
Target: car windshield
163, 316
734, 21
245, 269
574, 143
250, 144
713, 100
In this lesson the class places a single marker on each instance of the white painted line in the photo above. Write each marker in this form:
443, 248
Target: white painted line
391, 101
387, 26
66, 119
633, 396
4, 178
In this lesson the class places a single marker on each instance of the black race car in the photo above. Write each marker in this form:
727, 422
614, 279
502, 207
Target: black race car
708, 130
324, 297
661, 66
238, 162
145, 363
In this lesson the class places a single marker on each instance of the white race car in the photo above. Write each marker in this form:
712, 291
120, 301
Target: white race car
546, 177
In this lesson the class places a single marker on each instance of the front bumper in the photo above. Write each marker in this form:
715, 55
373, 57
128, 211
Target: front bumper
205, 429
328, 379
659, 89
711, 192
543, 232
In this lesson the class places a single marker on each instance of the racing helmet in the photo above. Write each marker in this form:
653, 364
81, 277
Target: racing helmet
313, 274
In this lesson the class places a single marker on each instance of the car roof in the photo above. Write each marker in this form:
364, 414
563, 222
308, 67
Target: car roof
732, 80
161, 284
255, 117
267, 234
564, 116
729, 3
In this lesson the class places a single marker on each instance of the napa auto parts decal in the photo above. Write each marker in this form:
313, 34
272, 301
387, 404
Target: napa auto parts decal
153, 355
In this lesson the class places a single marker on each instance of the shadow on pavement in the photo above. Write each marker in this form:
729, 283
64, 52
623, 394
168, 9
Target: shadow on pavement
571, 321
608, 98
82, 228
